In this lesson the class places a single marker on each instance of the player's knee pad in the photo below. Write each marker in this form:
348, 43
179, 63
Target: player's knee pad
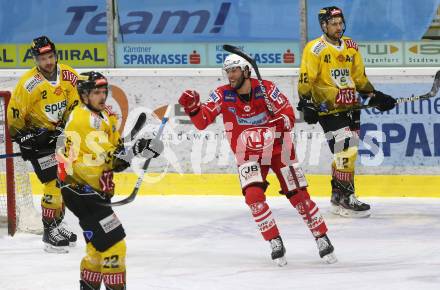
342, 139
113, 266
345, 160
298, 196
52, 202
90, 268
103, 229
253, 194
291, 178
250, 175
45, 167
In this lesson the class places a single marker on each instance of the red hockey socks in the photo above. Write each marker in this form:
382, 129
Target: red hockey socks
309, 212
261, 212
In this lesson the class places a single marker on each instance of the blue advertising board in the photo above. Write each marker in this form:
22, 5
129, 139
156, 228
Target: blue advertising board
378, 20
208, 21
160, 55
276, 54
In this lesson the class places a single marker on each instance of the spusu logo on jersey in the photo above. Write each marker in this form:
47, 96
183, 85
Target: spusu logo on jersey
257, 138
55, 111
346, 94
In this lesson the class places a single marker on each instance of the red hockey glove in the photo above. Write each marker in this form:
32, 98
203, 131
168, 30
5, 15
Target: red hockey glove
281, 123
190, 101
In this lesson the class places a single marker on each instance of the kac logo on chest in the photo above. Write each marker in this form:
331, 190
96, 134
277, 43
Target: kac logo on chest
257, 138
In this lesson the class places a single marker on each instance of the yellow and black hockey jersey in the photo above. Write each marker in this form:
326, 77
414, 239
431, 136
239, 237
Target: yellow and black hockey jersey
331, 75
39, 103
90, 142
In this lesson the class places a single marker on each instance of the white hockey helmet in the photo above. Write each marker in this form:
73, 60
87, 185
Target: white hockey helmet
234, 60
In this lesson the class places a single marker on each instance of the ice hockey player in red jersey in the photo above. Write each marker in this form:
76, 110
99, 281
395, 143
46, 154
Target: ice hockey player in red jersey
260, 141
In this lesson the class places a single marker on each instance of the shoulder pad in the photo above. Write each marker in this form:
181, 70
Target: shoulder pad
317, 47
215, 96
32, 80
69, 76
350, 43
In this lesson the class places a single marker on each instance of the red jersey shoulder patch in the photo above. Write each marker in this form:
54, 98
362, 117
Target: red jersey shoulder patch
350, 43
67, 75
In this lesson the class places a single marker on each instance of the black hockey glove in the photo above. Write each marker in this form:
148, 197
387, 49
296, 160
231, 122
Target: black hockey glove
28, 144
309, 110
120, 159
148, 148
382, 101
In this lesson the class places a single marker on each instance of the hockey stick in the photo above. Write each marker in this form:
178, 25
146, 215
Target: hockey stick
164, 112
2, 156
142, 119
432, 93
239, 52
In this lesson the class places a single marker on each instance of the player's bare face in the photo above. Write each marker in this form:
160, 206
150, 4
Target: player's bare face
46, 62
97, 98
235, 77
335, 28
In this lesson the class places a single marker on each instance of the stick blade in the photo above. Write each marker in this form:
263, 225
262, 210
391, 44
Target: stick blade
159, 113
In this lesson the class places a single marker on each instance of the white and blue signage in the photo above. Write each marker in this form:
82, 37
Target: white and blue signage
276, 54
160, 55
409, 135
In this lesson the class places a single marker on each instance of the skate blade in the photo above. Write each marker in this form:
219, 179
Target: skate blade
335, 209
338, 210
281, 262
57, 250
330, 258
72, 244
354, 214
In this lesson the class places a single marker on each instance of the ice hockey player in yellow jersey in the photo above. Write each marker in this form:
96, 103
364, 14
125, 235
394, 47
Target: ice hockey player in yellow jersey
92, 151
331, 73
39, 106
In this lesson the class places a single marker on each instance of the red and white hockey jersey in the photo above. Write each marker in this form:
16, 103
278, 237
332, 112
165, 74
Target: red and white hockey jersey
246, 123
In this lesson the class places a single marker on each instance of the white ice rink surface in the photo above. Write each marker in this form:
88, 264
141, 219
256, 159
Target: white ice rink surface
182, 242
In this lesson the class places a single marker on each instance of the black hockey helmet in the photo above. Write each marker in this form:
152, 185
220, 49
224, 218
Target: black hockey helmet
90, 80
42, 45
327, 13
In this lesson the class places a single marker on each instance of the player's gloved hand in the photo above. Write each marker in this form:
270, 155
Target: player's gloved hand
382, 102
121, 160
309, 110
281, 123
148, 148
190, 101
28, 144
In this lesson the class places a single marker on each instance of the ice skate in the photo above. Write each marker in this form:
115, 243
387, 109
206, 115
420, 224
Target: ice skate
326, 250
278, 251
66, 233
349, 206
54, 242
